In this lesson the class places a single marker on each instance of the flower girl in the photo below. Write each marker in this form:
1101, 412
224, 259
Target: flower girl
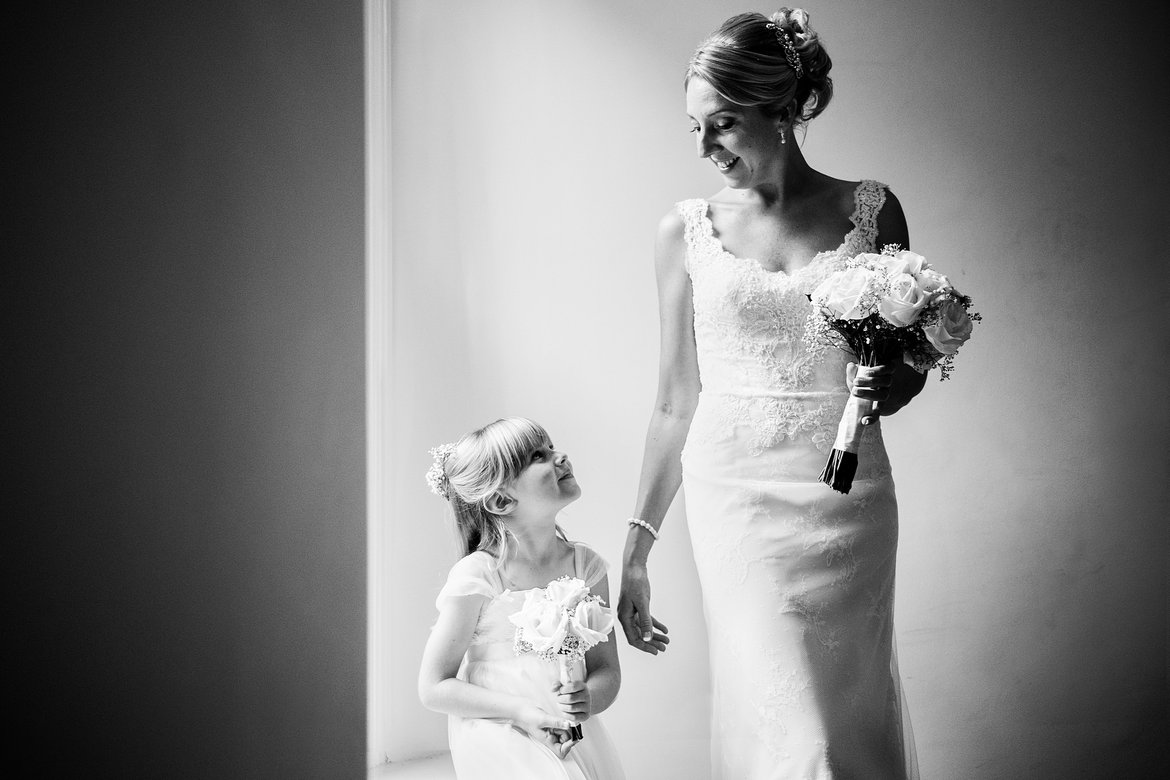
522, 656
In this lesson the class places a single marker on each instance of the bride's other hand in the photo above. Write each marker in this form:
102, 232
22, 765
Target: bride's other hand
642, 630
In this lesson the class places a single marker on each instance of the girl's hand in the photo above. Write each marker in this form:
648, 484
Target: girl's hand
642, 630
561, 742
545, 728
574, 700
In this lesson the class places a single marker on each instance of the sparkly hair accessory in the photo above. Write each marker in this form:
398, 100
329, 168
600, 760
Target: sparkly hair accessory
785, 37
437, 473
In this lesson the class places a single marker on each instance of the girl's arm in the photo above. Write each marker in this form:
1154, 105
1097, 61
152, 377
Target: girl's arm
678, 394
440, 690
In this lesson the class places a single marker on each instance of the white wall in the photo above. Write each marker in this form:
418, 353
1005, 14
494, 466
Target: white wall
537, 144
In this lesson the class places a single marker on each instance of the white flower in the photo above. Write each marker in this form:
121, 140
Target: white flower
952, 329
543, 623
566, 592
592, 621
904, 262
849, 294
903, 302
799, 20
933, 283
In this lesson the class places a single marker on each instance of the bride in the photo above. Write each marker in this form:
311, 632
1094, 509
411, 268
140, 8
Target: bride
797, 580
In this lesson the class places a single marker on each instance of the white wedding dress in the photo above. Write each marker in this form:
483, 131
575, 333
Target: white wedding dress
798, 580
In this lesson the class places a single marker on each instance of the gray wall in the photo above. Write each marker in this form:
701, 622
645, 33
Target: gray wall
186, 304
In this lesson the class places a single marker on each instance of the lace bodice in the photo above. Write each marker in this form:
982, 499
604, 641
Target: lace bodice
750, 325
750, 322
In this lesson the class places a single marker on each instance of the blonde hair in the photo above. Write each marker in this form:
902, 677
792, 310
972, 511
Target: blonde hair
479, 466
746, 64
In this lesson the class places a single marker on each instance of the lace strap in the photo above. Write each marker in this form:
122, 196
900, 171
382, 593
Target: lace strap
695, 230
868, 199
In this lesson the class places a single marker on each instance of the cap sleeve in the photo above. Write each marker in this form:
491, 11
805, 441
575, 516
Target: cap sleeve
591, 566
472, 575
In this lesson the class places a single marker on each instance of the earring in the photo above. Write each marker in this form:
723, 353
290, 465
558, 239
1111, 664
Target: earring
783, 137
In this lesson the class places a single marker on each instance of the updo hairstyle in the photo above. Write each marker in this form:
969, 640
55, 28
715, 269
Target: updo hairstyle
745, 62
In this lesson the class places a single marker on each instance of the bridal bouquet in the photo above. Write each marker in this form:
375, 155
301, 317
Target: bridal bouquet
883, 307
560, 622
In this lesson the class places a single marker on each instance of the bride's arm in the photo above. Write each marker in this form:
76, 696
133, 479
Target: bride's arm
678, 394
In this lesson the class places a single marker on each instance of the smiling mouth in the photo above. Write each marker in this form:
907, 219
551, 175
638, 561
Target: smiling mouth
724, 165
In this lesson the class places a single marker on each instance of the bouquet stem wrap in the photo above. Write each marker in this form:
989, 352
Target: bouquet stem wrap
572, 670
842, 464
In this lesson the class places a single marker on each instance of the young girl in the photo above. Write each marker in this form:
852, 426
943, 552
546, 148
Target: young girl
510, 716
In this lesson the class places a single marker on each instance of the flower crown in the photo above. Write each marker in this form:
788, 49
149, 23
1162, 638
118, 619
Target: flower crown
437, 473
787, 25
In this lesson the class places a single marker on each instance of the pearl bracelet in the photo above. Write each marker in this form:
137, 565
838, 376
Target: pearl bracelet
644, 524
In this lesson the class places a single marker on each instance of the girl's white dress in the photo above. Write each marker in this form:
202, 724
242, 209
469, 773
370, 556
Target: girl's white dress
798, 580
484, 749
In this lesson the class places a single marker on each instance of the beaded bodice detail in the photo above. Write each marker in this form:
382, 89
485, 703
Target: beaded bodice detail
750, 325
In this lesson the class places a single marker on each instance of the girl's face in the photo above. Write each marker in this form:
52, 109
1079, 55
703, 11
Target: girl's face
743, 144
546, 485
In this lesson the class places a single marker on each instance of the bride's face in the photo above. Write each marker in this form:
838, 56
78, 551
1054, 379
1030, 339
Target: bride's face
742, 143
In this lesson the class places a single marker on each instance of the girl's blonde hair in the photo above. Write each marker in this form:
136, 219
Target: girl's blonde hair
479, 465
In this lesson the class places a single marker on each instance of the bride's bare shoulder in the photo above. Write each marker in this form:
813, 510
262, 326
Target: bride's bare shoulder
672, 225
891, 223
839, 194
670, 241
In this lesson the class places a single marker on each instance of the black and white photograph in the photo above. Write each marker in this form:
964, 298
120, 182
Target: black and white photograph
590, 390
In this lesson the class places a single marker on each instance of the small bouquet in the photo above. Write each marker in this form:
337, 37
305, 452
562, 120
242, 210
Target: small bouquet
883, 307
560, 622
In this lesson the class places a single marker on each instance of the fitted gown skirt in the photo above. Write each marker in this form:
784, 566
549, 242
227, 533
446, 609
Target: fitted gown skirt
798, 590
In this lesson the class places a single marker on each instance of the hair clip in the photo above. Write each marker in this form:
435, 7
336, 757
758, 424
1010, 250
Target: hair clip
437, 473
784, 38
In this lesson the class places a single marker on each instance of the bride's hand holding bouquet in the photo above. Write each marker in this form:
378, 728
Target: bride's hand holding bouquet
886, 309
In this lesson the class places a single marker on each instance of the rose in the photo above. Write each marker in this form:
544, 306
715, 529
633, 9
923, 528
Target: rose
566, 592
952, 329
903, 302
904, 262
543, 622
592, 621
933, 283
798, 18
848, 294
